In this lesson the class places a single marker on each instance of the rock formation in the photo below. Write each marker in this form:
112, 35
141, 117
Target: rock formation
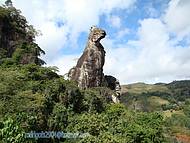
113, 83
89, 69
17, 39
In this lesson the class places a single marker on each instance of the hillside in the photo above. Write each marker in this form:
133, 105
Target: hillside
160, 95
172, 100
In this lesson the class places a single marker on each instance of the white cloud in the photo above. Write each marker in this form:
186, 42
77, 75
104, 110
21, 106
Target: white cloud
76, 15
115, 21
53, 40
151, 10
152, 58
65, 63
177, 17
123, 32
43, 15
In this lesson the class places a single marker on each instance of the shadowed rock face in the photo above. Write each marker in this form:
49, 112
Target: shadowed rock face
113, 83
89, 69
17, 39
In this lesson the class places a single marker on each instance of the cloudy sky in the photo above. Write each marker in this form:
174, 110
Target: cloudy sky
147, 40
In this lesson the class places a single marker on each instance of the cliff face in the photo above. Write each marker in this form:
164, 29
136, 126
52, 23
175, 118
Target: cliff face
17, 39
8, 35
89, 69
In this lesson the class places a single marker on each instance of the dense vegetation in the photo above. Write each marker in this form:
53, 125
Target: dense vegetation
17, 38
172, 100
36, 98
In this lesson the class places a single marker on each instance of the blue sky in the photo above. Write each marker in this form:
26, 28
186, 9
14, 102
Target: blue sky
128, 18
147, 40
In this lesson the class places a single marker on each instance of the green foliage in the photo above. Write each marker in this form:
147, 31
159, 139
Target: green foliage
179, 121
58, 120
180, 89
21, 89
8, 3
186, 108
151, 126
169, 96
169, 106
11, 132
171, 99
17, 38
94, 101
116, 124
13, 128
48, 102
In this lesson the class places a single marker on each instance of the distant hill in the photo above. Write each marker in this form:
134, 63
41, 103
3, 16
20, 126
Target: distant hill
172, 100
151, 97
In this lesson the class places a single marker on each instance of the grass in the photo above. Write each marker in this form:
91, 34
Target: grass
157, 100
138, 88
134, 92
168, 113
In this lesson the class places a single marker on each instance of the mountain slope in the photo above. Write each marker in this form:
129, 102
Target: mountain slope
160, 95
171, 100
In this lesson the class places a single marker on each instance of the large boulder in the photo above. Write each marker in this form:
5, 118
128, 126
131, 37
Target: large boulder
89, 69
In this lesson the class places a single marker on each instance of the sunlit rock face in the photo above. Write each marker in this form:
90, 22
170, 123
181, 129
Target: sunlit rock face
89, 69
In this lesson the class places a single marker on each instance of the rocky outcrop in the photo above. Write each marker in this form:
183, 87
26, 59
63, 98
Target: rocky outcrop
89, 69
113, 83
17, 39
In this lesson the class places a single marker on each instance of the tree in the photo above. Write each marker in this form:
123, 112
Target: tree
17, 38
11, 132
8, 3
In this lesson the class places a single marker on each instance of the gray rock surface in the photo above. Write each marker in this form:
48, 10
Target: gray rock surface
89, 69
